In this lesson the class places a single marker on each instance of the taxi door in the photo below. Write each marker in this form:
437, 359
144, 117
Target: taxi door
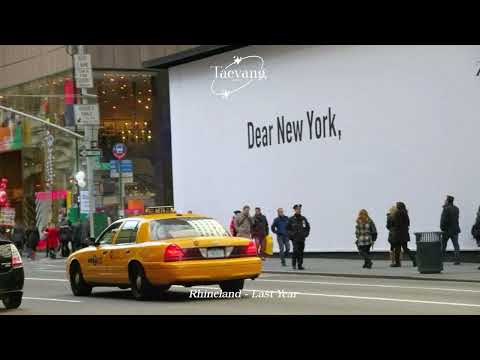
123, 250
98, 268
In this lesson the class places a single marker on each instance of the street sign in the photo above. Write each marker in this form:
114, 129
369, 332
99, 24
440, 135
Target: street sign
83, 71
119, 150
104, 166
87, 114
84, 203
125, 165
93, 152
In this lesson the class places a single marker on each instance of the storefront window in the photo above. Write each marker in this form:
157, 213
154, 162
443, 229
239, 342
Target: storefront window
126, 104
41, 170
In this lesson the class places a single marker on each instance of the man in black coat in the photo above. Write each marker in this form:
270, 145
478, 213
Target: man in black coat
298, 230
260, 231
450, 227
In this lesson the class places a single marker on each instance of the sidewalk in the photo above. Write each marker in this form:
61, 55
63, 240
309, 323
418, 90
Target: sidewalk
466, 272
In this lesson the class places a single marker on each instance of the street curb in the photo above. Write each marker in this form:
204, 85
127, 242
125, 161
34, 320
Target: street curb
368, 276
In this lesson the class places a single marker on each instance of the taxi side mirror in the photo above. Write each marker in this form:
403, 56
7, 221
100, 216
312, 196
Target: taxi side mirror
93, 242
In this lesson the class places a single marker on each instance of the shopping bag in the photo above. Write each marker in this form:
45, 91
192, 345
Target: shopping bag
269, 245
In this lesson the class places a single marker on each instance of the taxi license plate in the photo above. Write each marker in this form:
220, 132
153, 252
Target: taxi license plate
216, 253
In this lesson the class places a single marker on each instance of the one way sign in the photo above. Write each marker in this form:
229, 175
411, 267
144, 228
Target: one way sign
87, 115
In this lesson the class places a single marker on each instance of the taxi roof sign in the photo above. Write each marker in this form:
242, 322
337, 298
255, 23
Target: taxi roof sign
160, 210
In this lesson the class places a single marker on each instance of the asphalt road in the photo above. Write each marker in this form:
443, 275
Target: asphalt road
47, 292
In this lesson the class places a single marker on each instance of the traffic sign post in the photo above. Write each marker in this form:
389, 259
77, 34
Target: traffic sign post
83, 69
120, 151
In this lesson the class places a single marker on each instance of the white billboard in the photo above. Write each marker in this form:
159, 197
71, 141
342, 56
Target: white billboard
335, 128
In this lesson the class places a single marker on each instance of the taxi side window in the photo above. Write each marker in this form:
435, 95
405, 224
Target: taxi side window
128, 233
107, 236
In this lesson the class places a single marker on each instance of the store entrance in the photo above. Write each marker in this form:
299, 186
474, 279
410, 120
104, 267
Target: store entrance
11, 170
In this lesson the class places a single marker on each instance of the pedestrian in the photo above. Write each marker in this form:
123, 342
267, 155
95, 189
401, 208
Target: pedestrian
476, 230
243, 223
85, 233
18, 237
450, 227
260, 230
233, 230
401, 234
33, 237
279, 227
298, 229
65, 236
391, 238
76, 236
53, 240
366, 235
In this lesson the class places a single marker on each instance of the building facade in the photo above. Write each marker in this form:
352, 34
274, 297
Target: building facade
40, 162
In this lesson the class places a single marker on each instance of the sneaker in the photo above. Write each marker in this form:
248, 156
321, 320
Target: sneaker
456, 263
300, 267
284, 264
294, 267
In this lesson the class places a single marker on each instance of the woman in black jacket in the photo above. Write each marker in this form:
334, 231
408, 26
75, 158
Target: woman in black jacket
391, 239
401, 236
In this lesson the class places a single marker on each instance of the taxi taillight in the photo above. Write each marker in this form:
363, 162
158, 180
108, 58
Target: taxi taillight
251, 249
173, 252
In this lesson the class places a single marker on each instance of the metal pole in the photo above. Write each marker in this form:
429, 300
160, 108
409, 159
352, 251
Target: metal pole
89, 137
58, 127
121, 211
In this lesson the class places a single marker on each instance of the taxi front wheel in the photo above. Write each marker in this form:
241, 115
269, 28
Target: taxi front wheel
232, 285
141, 287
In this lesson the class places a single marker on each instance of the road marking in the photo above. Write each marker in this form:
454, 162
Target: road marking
413, 301
37, 264
42, 279
46, 270
371, 285
47, 299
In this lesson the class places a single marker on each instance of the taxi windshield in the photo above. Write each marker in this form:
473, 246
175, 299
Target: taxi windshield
185, 227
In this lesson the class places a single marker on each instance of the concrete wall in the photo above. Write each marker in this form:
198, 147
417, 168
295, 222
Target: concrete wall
23, 63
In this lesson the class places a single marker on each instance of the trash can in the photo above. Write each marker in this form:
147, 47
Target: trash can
429, 252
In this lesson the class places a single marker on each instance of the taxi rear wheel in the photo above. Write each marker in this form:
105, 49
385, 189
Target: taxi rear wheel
141, 287
232, 285
77, 282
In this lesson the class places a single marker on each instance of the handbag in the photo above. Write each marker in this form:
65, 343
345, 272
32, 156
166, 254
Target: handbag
268, 245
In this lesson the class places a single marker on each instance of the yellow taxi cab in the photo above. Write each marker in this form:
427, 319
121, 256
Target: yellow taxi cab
162, 248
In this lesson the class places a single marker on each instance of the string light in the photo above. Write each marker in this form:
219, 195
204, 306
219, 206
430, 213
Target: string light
146, 107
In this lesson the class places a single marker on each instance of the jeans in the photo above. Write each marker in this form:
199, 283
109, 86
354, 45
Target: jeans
284, 245
298, 248
406, 250
446, 237
260, 241
364, 251
30, 253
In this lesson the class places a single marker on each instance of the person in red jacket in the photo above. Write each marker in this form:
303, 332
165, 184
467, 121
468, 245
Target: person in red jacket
53, 240
233, 230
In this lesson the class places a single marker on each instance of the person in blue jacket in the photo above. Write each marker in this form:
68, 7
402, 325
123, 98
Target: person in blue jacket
279, 227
